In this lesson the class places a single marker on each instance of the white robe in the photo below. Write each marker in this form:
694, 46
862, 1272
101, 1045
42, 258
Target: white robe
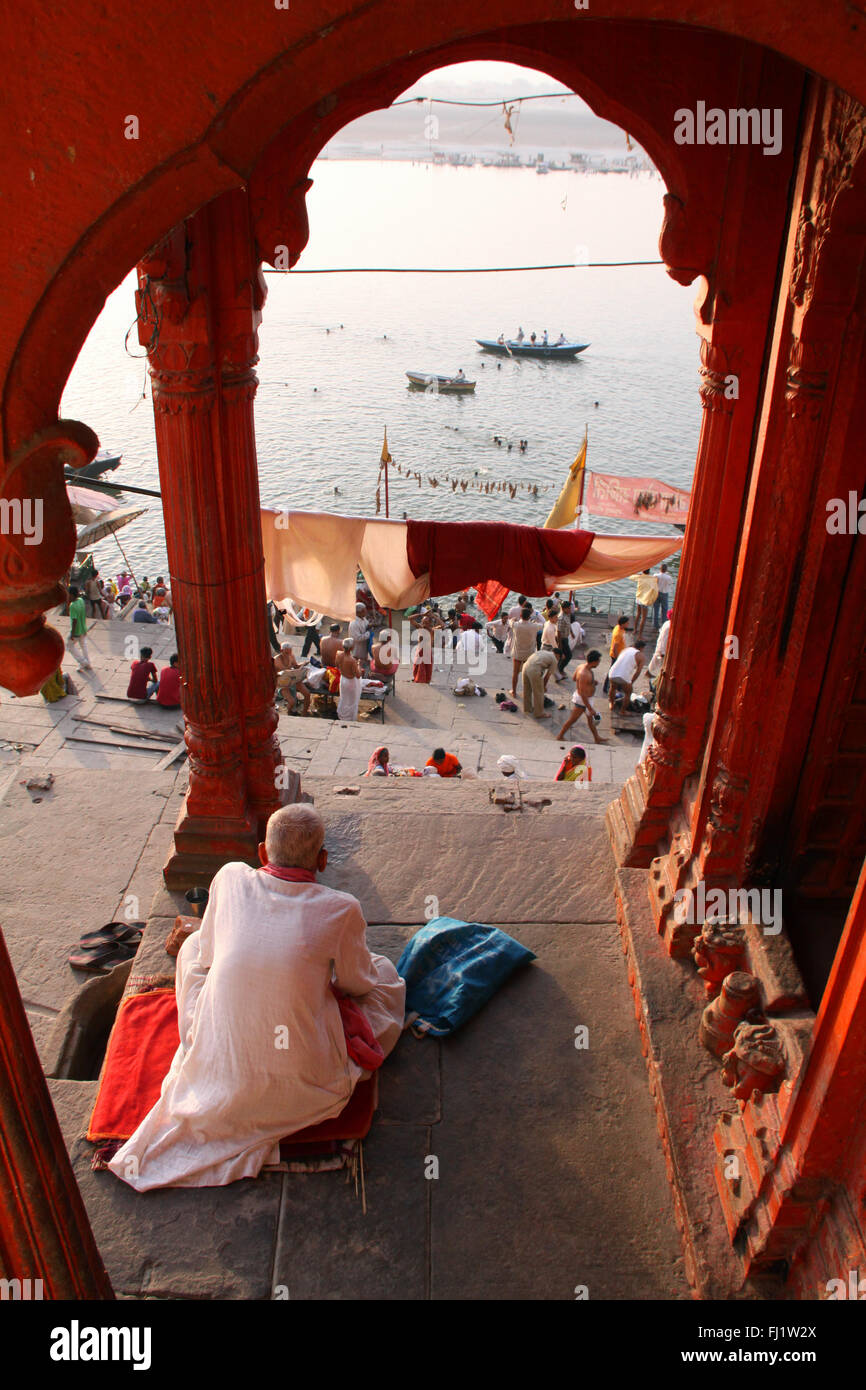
262, 1050
350, 697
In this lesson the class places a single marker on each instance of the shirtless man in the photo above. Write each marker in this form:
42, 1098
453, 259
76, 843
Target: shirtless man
585, 683
331, 645
286, 671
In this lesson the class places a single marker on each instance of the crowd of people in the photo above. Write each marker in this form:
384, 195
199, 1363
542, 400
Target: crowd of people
540, 643
112, 597
342, 668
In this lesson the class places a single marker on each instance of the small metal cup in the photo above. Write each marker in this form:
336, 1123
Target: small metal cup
197, 901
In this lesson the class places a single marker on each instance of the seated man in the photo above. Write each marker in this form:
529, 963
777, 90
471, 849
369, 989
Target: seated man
142, 680
168, 692
384, 656
262, 1050
161, 596
444, 763
142, 615
289, 675
331, 645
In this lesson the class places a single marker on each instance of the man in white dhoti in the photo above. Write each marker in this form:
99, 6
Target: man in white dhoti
262, 1050
349, 668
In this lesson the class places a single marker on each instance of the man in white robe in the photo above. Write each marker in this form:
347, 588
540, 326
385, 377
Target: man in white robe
262, 1048
349, 668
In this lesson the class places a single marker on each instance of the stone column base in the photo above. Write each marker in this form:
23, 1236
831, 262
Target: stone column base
202, 844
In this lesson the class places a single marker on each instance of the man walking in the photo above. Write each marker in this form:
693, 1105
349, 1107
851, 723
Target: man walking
78, 629
585, 683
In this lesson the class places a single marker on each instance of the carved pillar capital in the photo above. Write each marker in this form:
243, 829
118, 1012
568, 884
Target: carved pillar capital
806, 378
843, 143
716, 377
37, 543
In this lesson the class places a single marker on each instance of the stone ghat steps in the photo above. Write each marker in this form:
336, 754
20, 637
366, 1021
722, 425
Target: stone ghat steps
439, 796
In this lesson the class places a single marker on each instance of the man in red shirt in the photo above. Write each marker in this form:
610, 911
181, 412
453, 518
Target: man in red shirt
445, 763
168, 693
142, 682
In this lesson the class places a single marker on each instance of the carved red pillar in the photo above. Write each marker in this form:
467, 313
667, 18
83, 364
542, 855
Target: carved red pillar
808, 452
735, 240
44, 1231
199, 302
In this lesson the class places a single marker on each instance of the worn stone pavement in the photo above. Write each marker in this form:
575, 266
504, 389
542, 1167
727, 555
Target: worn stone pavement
550, 1173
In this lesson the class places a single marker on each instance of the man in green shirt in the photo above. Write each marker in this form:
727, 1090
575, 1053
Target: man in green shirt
78, 629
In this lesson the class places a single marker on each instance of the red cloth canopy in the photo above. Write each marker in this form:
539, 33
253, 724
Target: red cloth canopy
460, 554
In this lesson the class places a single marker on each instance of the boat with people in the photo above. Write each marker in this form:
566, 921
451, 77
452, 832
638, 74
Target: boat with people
515, 347
450, 385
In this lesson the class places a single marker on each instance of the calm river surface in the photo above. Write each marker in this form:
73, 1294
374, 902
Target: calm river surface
334, 350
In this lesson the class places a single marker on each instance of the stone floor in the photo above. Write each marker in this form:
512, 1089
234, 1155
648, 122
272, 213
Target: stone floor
550, 1174
550, 1171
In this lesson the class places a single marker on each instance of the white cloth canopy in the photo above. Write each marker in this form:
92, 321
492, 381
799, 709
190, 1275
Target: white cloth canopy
314, 558
262, 1049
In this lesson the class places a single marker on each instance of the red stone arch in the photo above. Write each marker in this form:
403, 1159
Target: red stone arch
266, 133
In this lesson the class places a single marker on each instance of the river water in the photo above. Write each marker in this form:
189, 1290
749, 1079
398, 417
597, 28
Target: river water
334, 350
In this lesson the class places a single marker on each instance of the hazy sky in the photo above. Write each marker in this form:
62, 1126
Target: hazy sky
562, 122
504, 78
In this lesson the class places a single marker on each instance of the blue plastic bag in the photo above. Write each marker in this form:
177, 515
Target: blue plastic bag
452, 968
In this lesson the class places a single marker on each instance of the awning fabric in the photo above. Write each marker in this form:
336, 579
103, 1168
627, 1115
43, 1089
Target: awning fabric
314, 557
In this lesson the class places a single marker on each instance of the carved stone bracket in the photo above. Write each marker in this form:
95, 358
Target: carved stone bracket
719, 950
756, 1062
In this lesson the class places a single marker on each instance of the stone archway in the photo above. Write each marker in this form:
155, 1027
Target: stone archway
605, 60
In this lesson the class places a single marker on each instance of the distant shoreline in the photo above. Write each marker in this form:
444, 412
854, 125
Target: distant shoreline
458, 158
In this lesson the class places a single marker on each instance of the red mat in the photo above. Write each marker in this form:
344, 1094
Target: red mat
142, 1043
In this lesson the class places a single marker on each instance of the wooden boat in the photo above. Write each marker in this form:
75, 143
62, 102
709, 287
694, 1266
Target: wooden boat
552, 351
451, 385
105, 462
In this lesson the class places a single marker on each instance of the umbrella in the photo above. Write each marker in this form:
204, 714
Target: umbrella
108, 524
87, 504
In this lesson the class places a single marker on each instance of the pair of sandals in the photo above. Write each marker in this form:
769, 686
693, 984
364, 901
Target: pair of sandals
109, 946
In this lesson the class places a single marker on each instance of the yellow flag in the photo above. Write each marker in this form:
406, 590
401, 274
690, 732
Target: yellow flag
566, 506
386, 457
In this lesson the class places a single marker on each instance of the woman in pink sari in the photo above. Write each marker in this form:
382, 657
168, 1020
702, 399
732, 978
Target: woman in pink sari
379, 766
